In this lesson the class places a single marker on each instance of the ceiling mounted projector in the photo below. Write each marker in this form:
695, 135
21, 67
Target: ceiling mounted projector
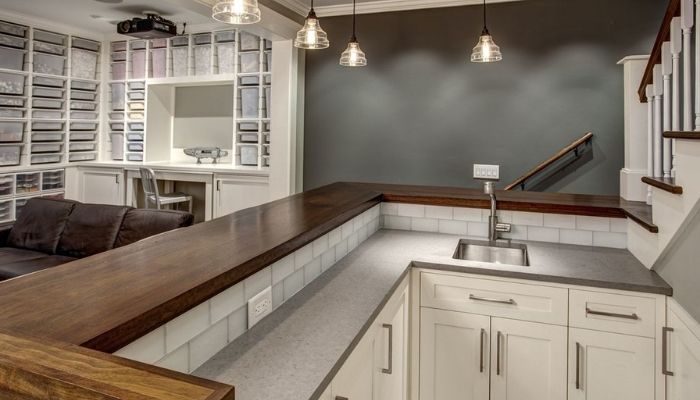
151, 27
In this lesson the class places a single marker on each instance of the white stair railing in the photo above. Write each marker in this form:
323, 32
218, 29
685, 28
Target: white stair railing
658, 119
650, 137
667, 71
676, 48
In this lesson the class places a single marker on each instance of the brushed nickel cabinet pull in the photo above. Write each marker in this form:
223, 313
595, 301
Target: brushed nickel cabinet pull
611, 314
491, 300
389, 370
578, 365
498, 352
481, 350
664, 351
341, 398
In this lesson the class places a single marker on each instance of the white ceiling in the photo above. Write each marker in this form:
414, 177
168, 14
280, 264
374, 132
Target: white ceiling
100, 15
343, 7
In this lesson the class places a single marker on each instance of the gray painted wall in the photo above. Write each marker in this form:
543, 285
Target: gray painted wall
421, 113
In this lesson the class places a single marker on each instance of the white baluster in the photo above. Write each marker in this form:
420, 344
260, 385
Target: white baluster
687, 21
667, 71
676, 47
650, 137
658, 115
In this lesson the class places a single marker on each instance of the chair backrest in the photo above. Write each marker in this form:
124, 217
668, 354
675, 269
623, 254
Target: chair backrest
149, 184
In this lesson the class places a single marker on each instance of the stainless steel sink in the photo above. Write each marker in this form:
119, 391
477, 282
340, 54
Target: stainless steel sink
492, 252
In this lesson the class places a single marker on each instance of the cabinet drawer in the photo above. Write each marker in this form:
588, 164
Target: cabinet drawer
627, 314
496, 298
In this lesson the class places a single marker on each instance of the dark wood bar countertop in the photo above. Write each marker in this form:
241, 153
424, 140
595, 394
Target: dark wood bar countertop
106, 301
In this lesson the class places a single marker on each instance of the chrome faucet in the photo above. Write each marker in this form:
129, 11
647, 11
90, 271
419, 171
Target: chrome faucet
494, 226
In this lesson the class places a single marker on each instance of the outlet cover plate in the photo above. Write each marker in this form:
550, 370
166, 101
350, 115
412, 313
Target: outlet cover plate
259, 306
485, 171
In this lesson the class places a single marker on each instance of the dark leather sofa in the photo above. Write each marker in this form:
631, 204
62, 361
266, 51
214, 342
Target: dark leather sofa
52, 232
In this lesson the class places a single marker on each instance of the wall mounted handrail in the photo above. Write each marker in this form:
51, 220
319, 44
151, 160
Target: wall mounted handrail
673, 10
551, 160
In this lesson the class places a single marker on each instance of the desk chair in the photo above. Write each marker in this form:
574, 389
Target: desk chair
151, 195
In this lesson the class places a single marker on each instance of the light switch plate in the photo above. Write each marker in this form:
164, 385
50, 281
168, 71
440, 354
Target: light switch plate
485, 171
259, 306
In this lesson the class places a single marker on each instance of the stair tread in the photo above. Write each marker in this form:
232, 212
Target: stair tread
639, 212
693, 135
667, 184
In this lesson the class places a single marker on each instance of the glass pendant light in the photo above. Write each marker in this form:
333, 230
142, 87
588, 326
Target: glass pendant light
353, 56
236, 12
486, 49
311, 36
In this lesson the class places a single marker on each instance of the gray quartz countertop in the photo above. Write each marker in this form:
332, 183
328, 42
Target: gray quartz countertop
294, 353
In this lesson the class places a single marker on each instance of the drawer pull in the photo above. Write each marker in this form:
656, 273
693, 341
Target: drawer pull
491, 300
341, 398
611, 314
390, 329
664, 351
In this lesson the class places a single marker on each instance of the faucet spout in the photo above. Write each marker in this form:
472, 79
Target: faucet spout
494, 226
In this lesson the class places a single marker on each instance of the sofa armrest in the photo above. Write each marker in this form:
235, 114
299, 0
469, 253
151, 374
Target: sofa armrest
5, 233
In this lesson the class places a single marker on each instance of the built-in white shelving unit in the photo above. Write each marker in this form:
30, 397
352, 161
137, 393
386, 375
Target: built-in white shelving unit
229, 56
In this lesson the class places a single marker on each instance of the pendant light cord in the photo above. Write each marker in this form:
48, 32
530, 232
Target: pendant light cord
485, 31
312, 2
354, 38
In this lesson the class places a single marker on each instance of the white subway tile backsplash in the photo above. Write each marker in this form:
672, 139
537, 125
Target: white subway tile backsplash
467, 214
452, 227
375, 211
618, 225
396, 222
438, 212
327, 259
347, 229
147, 349
352, 242
528, 218
517, 232
569, 236
592, 223
341, 249
363, 233
303, 256
390, 208
312, 270
210, 342
480, 229
282, 268
560, 221
178, 360
334, 237
257, 282
227, 302
610, 239
424, 224
503, 216
320, 245
277, 295
411, 210
185, 327
293, 284
541, 234
237, 323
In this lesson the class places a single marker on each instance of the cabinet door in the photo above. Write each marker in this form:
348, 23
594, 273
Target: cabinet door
528, 360
391, 351
354, 379
610, 366
239, 192
454, 355
103, 186
683, 361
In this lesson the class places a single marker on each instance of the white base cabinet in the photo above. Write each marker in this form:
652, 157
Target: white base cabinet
378, 366
683, 361
610, 366
101, 186
236, 192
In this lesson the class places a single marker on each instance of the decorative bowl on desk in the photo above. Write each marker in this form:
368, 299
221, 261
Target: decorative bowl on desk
206, 152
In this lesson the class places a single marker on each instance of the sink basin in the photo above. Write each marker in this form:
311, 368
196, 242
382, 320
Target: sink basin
492, 252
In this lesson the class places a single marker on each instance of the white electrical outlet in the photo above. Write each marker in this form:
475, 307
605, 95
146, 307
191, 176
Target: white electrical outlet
484, 171
259, 306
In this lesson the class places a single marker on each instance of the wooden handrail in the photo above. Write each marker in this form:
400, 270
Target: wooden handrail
673, 10
561, 153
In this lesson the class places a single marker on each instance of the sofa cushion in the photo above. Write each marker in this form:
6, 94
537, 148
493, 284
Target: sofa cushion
11, 254
141, 223
40, 224
91, 229
22, 267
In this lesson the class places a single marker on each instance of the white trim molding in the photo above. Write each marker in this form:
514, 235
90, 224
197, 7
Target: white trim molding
370, 7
